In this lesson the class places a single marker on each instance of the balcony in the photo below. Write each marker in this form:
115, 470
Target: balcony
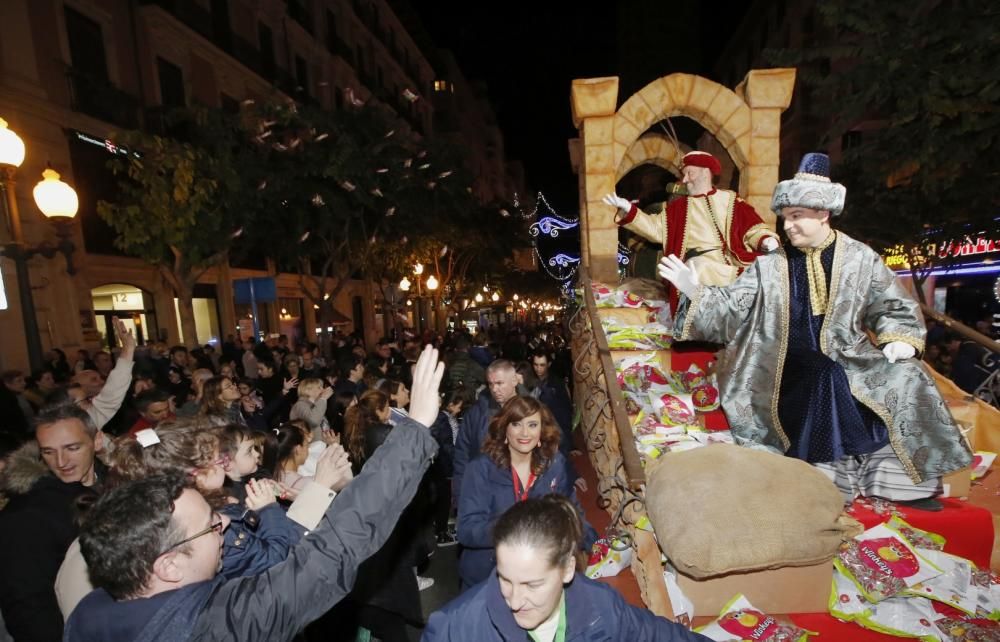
102, 100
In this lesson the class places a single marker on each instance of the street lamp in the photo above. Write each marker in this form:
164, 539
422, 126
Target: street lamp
479, 298
404, 285
59, 203
495, 297
432, 283
418, 269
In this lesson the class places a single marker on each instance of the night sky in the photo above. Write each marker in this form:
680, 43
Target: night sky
528, 54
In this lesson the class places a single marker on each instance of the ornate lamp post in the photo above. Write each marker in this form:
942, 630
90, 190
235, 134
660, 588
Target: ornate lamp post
59, 203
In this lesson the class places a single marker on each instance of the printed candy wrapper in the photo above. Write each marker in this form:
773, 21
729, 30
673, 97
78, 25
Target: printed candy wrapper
907, 617
989, 593
904, 617
981, 462
882, 564
960, 630
604, 296
643, 377
707, 438
703, 387
741, 621
846, 602
651, 336
608, 558
953, 587
918, 538
673, 409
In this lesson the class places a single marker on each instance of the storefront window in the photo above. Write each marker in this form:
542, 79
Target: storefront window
130, 304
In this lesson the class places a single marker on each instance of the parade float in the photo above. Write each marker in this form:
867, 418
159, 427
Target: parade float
650, 409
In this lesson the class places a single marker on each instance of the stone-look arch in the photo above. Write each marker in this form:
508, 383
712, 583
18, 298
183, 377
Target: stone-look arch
655, 149
746, 121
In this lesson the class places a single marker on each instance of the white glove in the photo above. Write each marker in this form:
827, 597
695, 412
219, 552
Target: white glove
684, 277
769, 244
617, 201
897, 350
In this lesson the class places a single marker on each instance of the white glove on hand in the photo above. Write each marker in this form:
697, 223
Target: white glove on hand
684, 277
617, 201
769, 244
897, 350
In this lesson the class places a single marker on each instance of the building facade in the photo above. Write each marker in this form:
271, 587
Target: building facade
72, 72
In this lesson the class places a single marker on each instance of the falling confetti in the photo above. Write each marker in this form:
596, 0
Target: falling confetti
248, 101
302, 239
322, 136
262, 185
504, 213
295, 143
422, 153
318, 201
237, 233
377, 192
281, 148
389, 133
431, 185
404, 240
407, 162
424, 166
445, 174
381, 170
444, 251
410, 96
390, 211
348, 185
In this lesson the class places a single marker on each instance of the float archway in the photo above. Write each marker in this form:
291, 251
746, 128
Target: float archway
746, 121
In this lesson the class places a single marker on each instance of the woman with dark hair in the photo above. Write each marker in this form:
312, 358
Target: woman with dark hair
387, 589
220, 397
536, 592
366, 425
337, 407
520, 459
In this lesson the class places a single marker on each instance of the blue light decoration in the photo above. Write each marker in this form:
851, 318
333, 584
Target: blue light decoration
564, 260
624, 256
551, 226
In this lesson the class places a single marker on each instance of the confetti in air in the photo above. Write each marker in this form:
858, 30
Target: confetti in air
390, 211
348, 185
410, 96
318, 201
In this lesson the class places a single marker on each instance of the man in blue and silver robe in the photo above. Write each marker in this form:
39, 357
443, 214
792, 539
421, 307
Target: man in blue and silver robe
819, 360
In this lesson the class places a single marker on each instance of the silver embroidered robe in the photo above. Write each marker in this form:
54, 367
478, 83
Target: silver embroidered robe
751, 318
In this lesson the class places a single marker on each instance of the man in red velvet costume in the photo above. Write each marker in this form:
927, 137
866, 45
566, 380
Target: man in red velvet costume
714, 228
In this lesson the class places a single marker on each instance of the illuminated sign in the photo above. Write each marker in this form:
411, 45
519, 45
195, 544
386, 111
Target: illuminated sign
898, 259
981, 245
109, 145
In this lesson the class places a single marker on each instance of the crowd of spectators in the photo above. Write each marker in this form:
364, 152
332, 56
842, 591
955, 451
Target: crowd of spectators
258, 442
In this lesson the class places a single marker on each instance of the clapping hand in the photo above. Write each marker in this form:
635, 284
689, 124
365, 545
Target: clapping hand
333, 468
260, 493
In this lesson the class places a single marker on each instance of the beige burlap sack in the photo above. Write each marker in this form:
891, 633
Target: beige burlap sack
724, 508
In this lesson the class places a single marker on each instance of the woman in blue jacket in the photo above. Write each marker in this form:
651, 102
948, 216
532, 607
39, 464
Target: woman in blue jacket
536, 593
520, 459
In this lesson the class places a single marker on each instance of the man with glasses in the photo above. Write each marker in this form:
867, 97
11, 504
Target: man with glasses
154, 547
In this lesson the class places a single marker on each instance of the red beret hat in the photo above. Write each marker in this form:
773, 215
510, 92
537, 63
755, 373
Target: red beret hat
702, 159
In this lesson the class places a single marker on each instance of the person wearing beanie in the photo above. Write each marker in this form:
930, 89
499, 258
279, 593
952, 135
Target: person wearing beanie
799, 375
713, 228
